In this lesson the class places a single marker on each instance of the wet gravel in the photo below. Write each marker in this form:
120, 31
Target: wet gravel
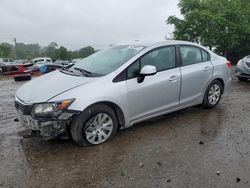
190, 148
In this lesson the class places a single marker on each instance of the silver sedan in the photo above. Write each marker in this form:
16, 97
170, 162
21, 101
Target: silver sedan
120, 86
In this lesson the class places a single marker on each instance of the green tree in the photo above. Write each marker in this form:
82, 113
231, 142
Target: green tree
30, 51
82, 53
222, 25
5, 50
62, 53
51, 50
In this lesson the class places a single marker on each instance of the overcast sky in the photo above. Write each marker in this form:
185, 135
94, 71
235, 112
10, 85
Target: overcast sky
78, 23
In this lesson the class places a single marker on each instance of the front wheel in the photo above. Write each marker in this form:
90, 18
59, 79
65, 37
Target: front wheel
212, 95
96, 125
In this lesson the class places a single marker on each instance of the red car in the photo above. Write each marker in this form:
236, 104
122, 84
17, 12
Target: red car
15, 69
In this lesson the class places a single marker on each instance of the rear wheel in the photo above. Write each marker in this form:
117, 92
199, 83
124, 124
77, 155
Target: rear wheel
213, 94
95, 125
242, 79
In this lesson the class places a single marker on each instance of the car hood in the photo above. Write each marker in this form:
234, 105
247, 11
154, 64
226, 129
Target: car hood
46, 87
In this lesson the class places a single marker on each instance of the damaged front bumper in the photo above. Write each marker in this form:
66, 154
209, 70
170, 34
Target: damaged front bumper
47, 127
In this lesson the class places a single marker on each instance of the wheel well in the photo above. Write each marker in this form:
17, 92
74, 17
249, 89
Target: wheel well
222, 83
117, 109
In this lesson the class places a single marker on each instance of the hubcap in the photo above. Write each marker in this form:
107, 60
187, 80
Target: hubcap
99, 128
214, 94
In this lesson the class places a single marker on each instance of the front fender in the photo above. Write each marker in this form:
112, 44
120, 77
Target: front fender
88, 95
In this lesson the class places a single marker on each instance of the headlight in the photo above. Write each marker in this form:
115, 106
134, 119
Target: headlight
50, 108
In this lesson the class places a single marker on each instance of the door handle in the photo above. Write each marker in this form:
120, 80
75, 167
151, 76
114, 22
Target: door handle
174, 77
206, 69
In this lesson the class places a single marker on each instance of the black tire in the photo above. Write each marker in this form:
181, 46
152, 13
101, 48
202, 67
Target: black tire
206, 103
78, 125
242, 79
22, 78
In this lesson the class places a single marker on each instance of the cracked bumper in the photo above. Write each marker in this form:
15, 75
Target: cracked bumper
46, 128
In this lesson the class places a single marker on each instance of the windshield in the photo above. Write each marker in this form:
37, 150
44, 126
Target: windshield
107, 60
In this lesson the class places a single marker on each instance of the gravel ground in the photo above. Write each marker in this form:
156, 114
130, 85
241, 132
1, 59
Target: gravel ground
190, 148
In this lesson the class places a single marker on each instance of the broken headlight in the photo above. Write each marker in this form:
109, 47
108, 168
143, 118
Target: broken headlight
50, 108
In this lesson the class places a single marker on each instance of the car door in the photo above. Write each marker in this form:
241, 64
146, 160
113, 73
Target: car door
156, 93
196, 70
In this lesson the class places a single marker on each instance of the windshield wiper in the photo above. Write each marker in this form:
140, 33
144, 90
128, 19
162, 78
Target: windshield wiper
66, 69
83, 71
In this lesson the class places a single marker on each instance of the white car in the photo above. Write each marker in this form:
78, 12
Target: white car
41, 60
5, 61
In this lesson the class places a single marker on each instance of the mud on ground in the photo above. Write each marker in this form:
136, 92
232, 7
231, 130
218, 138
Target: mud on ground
191, 148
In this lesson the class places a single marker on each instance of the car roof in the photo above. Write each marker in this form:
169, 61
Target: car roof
157, 43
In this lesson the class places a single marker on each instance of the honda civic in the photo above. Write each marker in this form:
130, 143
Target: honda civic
120, 86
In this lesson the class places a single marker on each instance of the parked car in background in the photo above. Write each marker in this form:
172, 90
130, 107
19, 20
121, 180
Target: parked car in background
41, 60
120, 86
14, 69
29, 68
46, 67
5, 61
243, 69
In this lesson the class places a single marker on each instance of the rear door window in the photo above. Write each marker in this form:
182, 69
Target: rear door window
190, 55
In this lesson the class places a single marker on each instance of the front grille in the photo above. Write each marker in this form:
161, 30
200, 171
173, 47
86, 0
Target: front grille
248, 64
23, 108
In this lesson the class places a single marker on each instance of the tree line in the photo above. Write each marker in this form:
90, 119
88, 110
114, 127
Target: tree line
30, 51
221, 25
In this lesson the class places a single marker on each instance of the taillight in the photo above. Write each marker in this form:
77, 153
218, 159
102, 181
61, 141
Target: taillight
229, 64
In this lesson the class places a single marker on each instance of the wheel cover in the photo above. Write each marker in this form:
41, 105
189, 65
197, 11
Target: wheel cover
214, 94
99, 128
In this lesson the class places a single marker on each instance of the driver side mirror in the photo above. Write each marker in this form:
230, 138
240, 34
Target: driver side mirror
147, 70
